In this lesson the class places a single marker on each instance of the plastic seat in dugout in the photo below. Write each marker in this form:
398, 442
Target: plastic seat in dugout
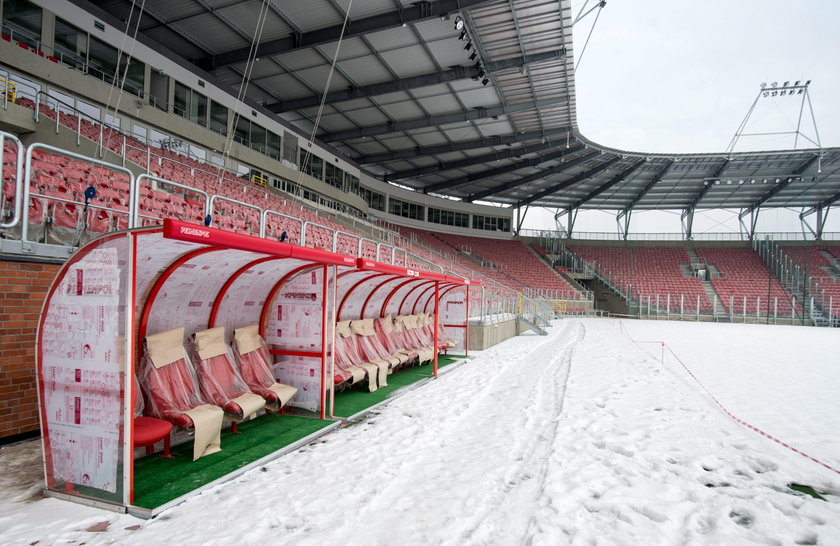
173, 393
255, 366
400, 333
412, 333
384, 328
371, 350
220, 381
148, 430
350, 361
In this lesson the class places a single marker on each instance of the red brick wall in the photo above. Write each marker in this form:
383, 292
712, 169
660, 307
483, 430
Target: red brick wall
23, 286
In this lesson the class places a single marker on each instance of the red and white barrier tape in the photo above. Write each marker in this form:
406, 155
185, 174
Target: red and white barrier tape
729, 413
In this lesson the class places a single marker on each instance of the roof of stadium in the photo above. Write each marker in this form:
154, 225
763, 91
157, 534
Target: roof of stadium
469, 99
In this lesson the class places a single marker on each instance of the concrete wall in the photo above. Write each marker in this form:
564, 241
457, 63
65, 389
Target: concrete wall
484, 337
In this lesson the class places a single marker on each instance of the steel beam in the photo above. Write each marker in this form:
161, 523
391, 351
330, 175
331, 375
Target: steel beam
609, 184
485, 142
532, 177
443, 119
469, 161
405, 84
574, 180
418, 11
474, 177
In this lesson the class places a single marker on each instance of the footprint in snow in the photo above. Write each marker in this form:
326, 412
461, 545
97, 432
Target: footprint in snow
744, 518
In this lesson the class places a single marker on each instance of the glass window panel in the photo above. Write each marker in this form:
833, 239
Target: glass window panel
102, 60
71, 44
218, 118
23, 19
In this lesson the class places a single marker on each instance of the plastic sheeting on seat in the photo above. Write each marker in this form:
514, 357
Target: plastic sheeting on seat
255, 365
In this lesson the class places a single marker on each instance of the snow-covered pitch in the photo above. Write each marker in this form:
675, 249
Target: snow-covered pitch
593, 434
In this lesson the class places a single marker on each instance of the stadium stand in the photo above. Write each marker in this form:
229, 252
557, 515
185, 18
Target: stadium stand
821, 264
647, 272
745, 281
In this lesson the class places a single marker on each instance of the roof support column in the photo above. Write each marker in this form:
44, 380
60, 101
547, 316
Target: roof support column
822, 216
565, 232
623, 221
753, 212
520, 217
687, 218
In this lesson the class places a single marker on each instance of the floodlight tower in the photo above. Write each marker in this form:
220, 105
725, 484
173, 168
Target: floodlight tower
785, 90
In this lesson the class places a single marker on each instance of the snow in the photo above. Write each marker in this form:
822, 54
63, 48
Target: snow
584, 436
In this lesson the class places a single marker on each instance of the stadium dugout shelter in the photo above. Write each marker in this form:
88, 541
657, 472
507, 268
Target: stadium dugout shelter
126, 286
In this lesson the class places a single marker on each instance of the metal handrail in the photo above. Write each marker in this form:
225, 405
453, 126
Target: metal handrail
264, 221
18, 208
27, 178
134, 194
216, 197
310, 223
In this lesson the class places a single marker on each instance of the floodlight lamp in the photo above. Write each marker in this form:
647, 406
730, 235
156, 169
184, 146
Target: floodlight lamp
763, 85
740, 182
485, 81
774, 84
782, 93
786, 84
729, 182
459, 23
766, 94
463, 35
777, 181
797, 82
800, 92
717, 182
473, 55
764, 181
477, 65
808, 82
468, 46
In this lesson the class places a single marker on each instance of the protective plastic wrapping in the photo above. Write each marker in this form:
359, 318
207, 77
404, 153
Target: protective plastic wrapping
255, 365
347, 358
221, 383
444, 340
384, 328
368, 350
369, 344
168, 379
418, 341
139, 405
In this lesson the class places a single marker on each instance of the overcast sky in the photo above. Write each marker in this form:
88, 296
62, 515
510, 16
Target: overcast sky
681, 75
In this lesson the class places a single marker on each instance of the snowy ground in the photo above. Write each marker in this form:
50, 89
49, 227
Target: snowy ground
581, 437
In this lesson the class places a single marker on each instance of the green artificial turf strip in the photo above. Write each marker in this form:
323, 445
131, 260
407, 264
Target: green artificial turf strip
158, 480
351, 402
806, 489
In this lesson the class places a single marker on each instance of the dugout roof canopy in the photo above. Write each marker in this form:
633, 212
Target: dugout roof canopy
484, 112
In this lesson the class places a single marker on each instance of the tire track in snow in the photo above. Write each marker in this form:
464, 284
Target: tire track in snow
524, 481
470, 452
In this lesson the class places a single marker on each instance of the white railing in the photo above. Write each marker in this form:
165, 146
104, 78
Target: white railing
17, 208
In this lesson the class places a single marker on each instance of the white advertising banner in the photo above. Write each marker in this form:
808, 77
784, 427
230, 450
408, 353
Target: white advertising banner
82, 373
294, 326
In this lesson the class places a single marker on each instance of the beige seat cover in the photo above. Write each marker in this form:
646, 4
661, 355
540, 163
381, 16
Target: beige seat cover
343, 328
210, 343
373, 375
284, 393
166, 347
247, 338
250, 403
207, 421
